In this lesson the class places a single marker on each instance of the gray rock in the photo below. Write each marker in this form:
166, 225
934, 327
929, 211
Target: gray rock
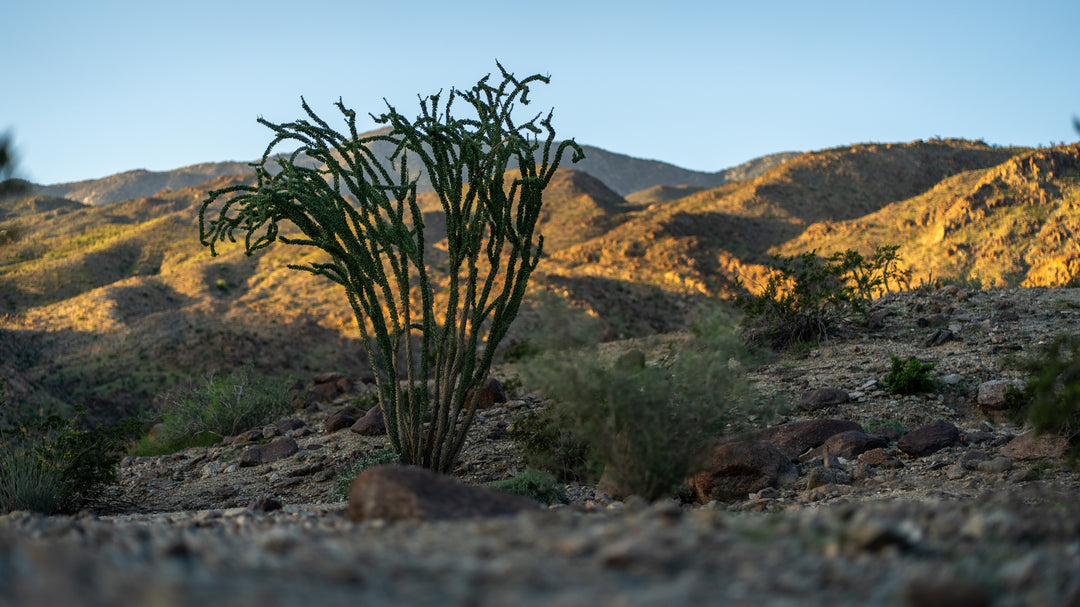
371, 424
992, 394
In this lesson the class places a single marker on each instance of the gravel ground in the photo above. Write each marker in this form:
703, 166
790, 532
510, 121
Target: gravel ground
930, 531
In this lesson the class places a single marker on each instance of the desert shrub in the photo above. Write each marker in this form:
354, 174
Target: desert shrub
548, 443
645, 426
54, 464
909, 376
147, 446
534, 484
344, 480
223, 405
808, 295
1052, 395
362, 211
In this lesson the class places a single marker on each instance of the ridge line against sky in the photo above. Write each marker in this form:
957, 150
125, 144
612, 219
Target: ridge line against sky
94, 89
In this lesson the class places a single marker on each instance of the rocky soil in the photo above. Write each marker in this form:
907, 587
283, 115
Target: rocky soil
976, 516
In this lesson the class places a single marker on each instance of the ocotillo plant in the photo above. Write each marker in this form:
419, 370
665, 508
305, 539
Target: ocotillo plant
362, 211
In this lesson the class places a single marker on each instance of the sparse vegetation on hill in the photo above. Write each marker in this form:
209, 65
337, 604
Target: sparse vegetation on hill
95, 309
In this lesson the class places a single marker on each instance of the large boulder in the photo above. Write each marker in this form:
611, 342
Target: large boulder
372, 423
795, 438
408, 493
1033, 445
279, 448
928, 439
738, 468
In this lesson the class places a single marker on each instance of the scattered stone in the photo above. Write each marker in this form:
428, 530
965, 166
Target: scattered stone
290, 425
795, 438
491, 394
993, 394
928, 439
947, 593
974, 457
265, 504
279, 448
848, 445
873, 457
821, 398
820, 476
343, 418
247, 437
738, 468
407, 493
1032, 445
996, 465
371, 424
938, 337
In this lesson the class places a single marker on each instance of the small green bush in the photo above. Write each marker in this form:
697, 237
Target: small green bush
909, 376
547, 443
1053, 391
807, 295
224, 406
56, 465
645, 426
534, 484
344, 480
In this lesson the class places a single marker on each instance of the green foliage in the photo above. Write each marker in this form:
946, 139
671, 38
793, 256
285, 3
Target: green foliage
646, 426
223, 406
362, 211
806, 295
534, 484
1053, 390
909, 376
548, 442
344, 480
147, 446
54, 464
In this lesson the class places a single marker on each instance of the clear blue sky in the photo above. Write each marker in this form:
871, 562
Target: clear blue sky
94, 88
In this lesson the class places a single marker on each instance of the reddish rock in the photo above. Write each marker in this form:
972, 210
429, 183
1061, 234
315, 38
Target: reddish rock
928, 439
371, 424
738, 468
343, 418
491, 394
821, 398
1032, 445
321, 393
279, 448
873, 457
795, 438
848, 445
327, 378
407, 493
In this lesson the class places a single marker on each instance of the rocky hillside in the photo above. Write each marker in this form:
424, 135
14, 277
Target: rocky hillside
111, 304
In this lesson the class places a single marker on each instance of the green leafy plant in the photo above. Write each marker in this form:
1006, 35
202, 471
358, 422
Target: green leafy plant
806, 295
547, 442
1052, 395
223, 406
54, 464
362, 211
344, 480
909, 376
536, 485
646, 426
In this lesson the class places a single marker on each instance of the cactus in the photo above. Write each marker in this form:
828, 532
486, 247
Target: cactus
362, 211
